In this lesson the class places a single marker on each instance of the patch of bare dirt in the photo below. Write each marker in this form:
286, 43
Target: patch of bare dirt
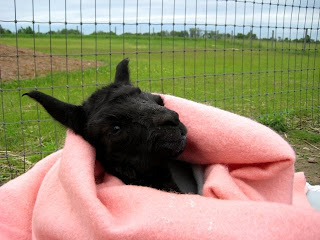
308, 161
308, 157
28, 64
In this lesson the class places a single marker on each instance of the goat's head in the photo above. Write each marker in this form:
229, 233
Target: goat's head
133, 133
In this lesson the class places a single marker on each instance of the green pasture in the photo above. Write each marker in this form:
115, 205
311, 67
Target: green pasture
249, 78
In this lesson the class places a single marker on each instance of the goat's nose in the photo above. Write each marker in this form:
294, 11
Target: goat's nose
167, 118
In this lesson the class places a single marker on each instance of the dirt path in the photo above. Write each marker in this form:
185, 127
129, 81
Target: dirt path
28, 65
308, 159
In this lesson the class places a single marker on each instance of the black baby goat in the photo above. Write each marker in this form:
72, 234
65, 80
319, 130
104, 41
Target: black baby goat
134, 135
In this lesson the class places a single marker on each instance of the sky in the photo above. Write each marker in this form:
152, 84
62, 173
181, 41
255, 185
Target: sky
288, 18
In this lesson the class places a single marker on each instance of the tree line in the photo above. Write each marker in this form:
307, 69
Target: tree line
192, 33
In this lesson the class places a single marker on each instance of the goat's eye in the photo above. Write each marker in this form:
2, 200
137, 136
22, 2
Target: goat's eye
116, 129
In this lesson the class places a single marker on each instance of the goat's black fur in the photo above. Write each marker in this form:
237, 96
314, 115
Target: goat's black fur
134, 135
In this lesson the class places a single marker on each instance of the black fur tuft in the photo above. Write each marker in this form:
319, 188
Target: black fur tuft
122, 72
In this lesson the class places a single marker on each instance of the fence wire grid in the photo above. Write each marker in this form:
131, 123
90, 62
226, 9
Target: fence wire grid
256, 58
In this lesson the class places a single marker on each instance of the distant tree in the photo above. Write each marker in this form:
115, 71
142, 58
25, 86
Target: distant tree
4, 31
104, 33
163, 33
179, 33
211, 34
249, 35
240, 36
70, 31
195, 32
66, 31
130, 34
308, 39
51, 32
184, 34
252, 35
98, 33
27, 30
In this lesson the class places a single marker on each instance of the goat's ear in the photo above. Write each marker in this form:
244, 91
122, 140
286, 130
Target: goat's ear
122, 72
69, 115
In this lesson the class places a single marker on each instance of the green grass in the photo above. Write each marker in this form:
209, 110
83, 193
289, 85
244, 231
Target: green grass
305, 135
254, 82
277, 122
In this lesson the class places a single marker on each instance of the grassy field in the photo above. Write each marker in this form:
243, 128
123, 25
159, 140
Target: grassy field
278, 86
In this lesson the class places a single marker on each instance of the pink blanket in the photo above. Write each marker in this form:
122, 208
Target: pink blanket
250, 191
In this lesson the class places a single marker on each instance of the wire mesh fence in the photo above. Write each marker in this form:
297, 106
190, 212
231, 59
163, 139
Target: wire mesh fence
256, 58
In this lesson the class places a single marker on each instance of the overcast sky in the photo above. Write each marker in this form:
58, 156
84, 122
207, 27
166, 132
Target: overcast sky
179, 12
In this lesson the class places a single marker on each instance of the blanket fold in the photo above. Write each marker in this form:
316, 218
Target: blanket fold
260, 164
250, 190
